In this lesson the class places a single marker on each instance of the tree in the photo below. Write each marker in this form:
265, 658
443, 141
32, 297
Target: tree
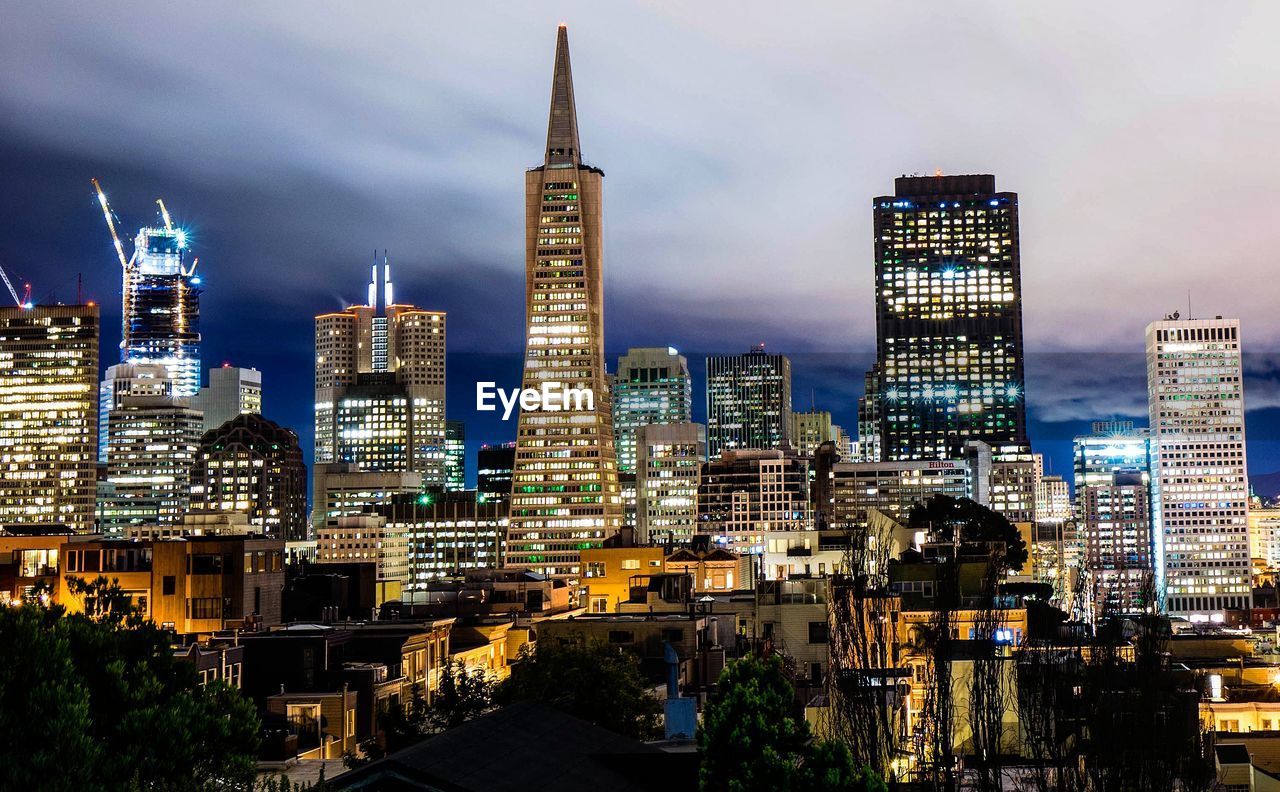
950, 519
588, 680
752, 740
462, 695
117, 710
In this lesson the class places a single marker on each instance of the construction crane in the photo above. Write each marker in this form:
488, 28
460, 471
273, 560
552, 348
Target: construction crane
125, 263
9, 285
165, 214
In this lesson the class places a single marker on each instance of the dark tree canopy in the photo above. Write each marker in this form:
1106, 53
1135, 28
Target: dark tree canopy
105, 705
751, 738
943, 516
587, 680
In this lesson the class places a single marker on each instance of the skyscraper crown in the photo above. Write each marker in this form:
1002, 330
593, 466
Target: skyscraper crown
562, 127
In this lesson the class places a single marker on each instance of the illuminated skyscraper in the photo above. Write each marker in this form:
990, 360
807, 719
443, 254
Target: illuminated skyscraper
380, 385
152, 438
669, 462
48, 415
494, 464
748, 401
565, 494
162, 308
948, 318
1196, 400
651, 386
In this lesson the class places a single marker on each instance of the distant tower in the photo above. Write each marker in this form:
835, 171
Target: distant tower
948, 319
565, 493
231, 391
1196, 399
651, 386
380, 385
748, 401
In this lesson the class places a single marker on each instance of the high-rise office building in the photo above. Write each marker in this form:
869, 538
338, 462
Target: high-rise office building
455, 455
948, 317
380, 385
152, 439
338, 490
254, 466
669, 460
651, 386
494, 464
1115, 528
231, 391
811, 429
1196, 399
448, 533
565, 494
748, 401
745, 495
161, 306
48, 415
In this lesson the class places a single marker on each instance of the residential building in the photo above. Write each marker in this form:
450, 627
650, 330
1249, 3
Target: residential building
253, 465
565, 494
231, 391
380, 385
611, 572
1196, 398
748, 401
1115, 522
669, 461
651, 386
948, 317
48, 415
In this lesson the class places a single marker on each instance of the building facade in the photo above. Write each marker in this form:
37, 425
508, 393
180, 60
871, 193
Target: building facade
948, 317
455, 455
1115, 523
161, 307
494, 464
811, 429
745, 495
48, 415
253, 465
380, 385
565, 494
669, 459
338, 490
1196, 398
447, 533
651, 386
748, 401
231, 391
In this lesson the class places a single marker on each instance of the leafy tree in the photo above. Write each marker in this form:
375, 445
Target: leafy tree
462, 695
589, 681
752, 740
117, 710
946, 517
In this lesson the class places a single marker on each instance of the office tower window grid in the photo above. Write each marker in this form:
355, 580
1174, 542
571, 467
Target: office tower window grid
748, 401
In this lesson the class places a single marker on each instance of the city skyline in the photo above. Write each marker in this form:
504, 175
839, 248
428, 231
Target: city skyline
440, 269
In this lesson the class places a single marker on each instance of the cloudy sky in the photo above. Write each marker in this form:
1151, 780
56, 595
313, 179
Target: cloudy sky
743, 144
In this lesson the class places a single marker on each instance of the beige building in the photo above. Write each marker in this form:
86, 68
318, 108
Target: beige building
367, 538
49, 415
565, 492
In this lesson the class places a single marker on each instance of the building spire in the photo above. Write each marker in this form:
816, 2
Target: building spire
562, 128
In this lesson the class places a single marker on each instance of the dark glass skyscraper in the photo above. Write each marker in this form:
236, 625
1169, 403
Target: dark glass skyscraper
748, 401
948, 317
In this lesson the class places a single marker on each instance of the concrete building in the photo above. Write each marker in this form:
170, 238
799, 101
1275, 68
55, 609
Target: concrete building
1115, 520
231, 391
669, 464
356, 538
1196, 398
338, 489
253, 465
48, 415
743, 495
948, 317
811, 429
448, 533
1264, 536
651, 386
380, 385
565, 494
748, 401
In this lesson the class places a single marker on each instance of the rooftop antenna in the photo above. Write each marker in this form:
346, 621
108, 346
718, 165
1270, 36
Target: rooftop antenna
1189, 316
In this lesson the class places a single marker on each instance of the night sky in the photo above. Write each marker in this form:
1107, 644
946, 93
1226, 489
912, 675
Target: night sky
742, 145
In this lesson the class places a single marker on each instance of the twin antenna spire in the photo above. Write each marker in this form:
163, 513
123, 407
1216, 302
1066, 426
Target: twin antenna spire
388, 297
562, 127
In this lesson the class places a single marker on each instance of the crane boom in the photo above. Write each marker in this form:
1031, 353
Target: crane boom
111, 224
165, 214
9, 285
